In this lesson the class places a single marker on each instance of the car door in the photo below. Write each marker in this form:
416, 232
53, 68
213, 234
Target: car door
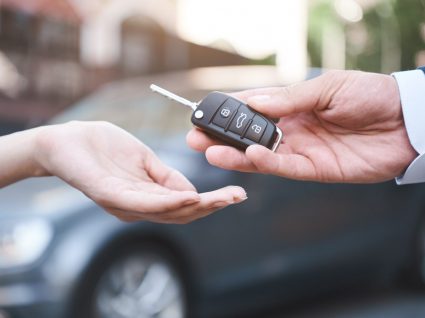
288, 227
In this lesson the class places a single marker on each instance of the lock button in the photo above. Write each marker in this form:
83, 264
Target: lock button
256, 129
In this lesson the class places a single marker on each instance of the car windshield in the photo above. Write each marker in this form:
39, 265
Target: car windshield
131, 105
145, 115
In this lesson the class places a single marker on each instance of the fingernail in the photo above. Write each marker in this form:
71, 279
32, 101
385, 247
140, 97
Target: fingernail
240, 199
240, 196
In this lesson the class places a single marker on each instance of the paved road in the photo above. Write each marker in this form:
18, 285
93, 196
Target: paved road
394, 303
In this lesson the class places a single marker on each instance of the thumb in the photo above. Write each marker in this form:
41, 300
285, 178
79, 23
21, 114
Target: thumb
284, 101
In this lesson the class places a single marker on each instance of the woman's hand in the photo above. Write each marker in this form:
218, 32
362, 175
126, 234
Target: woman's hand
115, 170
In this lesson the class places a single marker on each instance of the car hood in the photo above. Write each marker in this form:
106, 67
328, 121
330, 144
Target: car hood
46, 196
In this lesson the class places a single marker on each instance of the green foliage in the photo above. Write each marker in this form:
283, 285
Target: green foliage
387, 39
319, 15
410, 15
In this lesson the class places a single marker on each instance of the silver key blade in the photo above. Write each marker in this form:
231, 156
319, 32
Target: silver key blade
173, 96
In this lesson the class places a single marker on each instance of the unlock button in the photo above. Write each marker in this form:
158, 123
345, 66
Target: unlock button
256, 129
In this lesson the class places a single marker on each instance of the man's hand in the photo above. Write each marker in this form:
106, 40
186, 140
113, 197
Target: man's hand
344, 126
124, 176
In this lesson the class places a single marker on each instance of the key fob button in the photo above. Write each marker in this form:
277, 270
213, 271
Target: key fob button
241, 120
225, 112
256, 129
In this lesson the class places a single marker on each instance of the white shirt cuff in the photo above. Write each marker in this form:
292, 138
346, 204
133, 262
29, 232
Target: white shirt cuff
411, 86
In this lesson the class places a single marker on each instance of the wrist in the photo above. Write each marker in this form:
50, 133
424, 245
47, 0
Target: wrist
19, 157
42, 150
410, 86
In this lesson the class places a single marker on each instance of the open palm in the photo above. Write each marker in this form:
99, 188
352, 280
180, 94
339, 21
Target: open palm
124, 176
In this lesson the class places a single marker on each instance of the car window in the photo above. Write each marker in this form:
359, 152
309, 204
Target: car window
152, 115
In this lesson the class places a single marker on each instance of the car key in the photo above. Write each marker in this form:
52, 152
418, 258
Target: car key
230, 120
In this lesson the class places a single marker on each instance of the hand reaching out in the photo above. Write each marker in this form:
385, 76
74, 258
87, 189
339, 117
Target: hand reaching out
344, 126
112, 168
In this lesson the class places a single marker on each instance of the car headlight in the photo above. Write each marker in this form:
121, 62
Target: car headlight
23, 241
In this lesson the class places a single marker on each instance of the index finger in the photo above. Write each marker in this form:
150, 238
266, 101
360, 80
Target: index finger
246, 94
217, 154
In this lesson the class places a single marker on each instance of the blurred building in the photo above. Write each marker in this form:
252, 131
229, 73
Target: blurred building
39, 44
53, 52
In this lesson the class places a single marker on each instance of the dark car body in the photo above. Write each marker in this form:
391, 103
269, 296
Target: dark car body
288, 241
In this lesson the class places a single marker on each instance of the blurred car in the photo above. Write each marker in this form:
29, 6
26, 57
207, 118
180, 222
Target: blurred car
62, 256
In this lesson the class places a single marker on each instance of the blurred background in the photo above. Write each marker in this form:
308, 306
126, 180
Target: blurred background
53, 52
294, 250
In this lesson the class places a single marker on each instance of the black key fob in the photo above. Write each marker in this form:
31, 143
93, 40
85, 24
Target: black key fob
230, 120
235, 123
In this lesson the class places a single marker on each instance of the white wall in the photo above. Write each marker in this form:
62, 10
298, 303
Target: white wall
101, 30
